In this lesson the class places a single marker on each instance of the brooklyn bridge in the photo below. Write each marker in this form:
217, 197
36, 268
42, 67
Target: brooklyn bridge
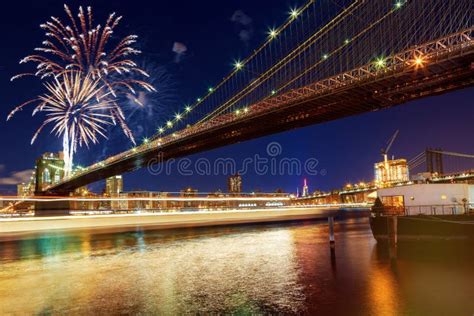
329, 60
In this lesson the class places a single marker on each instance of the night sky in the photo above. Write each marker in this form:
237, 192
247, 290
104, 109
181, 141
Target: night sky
346, 149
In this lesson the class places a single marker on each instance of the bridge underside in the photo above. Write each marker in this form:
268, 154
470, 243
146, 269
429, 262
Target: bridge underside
372, 94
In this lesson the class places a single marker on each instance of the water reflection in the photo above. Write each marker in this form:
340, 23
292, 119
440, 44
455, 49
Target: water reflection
254, 269
383, 293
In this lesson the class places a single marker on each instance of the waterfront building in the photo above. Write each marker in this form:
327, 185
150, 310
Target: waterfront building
189, 192
138, 204
82, 191
234, 184
49, 170
210, 204
319, 198
27, 189
82, 205
24, 189
389, 172
131, 201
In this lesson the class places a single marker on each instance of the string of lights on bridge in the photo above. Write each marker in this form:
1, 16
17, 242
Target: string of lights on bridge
239, 65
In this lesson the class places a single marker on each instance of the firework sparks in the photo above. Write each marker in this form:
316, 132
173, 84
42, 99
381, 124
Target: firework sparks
78, 50
83, 47
147, 108
79, 110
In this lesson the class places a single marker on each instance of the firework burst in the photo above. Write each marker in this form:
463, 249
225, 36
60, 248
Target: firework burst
148, 108
79, 110
78, 50
145, 109
83, 47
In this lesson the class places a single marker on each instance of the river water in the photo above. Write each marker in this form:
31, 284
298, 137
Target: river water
256, 269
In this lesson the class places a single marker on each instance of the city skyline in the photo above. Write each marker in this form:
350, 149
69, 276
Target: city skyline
237, 157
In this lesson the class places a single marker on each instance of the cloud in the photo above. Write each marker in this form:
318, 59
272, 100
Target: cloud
244, 24
241, 18
179, 49
16, 177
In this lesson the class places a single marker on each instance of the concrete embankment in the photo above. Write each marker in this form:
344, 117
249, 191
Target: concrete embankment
13, 226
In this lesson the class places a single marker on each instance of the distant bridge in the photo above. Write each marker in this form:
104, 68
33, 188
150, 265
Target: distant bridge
322, 64
443, 166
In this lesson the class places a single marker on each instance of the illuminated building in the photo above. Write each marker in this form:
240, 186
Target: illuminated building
20, 189
131, 201
317, 199
25, 189
234, 184
114, 186
305, 189
189, 192
392, 171
82, 191
49, 170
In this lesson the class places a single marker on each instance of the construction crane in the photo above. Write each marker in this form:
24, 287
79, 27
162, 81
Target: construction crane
385, 172
389, 145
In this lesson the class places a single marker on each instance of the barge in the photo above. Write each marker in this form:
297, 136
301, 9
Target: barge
424, 212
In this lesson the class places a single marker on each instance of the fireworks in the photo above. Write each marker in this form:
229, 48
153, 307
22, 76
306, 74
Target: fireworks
85, 75
85, 48
146, 108
78, 108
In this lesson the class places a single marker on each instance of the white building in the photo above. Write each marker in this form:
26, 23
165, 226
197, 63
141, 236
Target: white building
429, 198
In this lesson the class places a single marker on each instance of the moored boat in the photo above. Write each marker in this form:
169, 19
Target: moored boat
445, 214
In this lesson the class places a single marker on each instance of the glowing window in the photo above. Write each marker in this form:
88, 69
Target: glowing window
57, 177
46, 176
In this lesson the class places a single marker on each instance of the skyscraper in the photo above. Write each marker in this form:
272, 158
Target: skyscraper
234, 184
114, 186
305, 189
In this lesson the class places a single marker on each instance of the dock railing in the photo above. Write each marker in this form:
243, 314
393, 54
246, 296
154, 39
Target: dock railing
441, 209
